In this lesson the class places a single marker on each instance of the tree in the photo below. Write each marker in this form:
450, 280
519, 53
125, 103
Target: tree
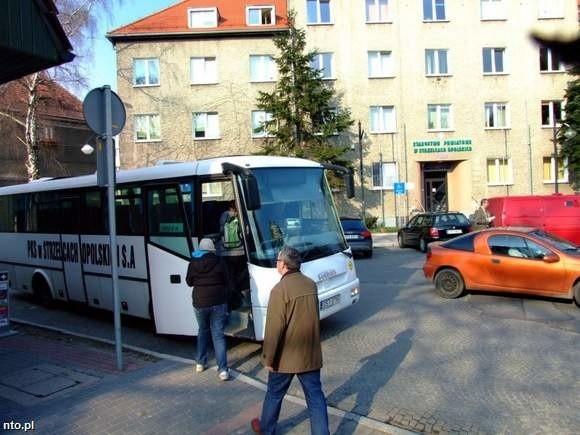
570, 143
78, 19
301, 119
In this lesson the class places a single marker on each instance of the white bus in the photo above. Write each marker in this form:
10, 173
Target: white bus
54, 237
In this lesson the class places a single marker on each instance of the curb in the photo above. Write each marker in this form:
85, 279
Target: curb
360, 419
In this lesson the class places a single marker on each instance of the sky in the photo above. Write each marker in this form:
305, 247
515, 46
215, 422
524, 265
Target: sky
102, 69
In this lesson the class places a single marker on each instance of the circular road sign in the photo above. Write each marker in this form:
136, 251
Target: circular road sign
94, 112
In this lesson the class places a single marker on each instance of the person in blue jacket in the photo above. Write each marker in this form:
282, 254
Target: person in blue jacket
206, 274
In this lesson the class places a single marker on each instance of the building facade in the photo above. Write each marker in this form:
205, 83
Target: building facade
452, 101
61, 132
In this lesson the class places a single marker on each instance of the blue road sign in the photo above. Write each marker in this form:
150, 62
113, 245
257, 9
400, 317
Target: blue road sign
399, 188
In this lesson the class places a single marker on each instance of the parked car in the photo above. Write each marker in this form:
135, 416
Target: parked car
358, 236
556, 214
428, 227
514, 260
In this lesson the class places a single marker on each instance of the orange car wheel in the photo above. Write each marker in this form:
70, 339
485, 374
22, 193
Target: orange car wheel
449, 283
577, 293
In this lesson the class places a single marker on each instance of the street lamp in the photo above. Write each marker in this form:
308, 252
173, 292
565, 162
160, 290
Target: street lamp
361, 133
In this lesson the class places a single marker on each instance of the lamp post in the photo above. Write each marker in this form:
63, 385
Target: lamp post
361, 133
555, 140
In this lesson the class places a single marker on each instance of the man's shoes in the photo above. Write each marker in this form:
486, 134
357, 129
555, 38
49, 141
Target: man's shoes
224, 375
256, 427
199, 368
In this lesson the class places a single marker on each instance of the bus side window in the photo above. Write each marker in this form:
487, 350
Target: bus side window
6, 218
166, 221
95, 217
19, 214
70, 215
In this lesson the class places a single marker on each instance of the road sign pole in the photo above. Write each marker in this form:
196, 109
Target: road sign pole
113, 223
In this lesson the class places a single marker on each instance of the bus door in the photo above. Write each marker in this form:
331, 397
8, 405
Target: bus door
168, 253
70, 248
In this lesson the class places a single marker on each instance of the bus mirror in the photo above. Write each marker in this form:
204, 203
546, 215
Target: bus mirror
251, 192
349, 183
347, 177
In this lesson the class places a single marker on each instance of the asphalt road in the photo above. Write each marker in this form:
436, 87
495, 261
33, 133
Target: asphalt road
402, 355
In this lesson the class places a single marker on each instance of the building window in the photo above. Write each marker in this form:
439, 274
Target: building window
383, 119
377, 11
436, 62
206, 17
146, 72
259, 120
147, 128
385, 175
493, 60
550, 167
262, 68
380, 64
260, 15
552, 113
499, 171
206, 125
203, 70
46, 135
550, 61
493, 9
321, 122
323, 62
439, 117
212, 189
496, 115
551, 9
318, 11
434, 10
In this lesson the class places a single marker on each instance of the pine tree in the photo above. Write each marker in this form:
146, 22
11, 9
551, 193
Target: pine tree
303, 122
570, 143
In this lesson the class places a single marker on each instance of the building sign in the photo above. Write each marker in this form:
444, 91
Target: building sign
442, 146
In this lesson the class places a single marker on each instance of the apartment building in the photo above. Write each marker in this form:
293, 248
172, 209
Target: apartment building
452, 100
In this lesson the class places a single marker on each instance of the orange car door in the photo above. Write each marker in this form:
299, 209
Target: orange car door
515, 266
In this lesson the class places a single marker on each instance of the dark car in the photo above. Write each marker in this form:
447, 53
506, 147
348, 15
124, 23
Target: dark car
428, 227
358, 236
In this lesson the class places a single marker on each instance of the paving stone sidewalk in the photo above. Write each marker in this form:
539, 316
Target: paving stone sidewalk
61, 384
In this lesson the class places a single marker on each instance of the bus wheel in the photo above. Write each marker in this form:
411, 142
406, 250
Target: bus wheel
42, 291
449, 283
577, 293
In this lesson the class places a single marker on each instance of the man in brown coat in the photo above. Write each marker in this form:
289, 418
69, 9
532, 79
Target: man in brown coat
292, 345
481, 218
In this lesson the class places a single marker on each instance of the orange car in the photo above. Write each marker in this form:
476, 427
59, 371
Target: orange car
511, 260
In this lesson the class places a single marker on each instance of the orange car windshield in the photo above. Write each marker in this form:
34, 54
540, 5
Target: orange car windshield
561, 244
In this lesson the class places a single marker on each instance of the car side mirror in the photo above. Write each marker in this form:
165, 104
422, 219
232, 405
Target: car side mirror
551, 258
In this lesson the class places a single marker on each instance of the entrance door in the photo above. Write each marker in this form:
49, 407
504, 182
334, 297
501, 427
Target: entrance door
168, 253
71, 258
435, 190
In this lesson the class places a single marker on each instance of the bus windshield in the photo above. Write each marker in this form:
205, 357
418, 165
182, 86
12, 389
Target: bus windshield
297, 209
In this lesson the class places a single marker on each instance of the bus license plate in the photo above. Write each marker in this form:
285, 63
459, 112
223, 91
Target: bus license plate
327, 303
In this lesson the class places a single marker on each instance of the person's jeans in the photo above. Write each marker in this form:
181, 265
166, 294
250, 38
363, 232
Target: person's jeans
278, 384
212, 320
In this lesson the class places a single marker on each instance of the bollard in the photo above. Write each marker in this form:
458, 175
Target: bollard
4, 309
